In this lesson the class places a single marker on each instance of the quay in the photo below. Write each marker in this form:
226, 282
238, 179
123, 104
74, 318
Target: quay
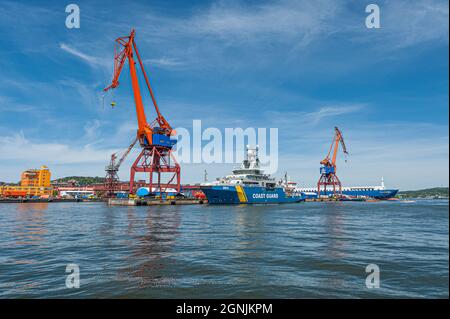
150, 202
43, 200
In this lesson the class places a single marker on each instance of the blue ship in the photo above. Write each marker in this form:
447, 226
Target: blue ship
249, 185
238, 194
377, 192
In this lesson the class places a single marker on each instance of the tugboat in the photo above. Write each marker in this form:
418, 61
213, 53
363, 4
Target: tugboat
249, 185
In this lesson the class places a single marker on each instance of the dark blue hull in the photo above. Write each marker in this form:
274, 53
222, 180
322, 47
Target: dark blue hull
372, 193
248, 195
378, 194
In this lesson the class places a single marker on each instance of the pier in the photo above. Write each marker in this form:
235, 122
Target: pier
150, 202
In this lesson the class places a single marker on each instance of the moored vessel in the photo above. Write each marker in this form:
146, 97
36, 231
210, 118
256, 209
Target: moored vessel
249, 185
377, 192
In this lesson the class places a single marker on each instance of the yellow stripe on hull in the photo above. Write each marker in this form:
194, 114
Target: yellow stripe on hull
241, 194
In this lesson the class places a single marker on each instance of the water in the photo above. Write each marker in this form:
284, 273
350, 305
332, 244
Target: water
281, 251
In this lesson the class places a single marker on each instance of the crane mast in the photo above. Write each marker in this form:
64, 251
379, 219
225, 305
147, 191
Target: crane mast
328, 175
154, 138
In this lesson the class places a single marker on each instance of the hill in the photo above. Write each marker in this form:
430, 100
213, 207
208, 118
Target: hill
81, 180
436, 192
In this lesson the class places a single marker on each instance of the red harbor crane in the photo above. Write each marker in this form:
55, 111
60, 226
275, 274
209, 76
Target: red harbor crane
112, 178
328, 175
154, 138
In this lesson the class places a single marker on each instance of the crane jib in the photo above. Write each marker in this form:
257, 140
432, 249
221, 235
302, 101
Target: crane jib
148, 131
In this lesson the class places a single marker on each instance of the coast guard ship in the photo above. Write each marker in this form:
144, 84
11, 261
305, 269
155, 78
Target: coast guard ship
249, 185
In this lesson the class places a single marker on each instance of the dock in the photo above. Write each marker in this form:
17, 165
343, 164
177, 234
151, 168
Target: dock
321, 199
42, 200
335, 199
150, 202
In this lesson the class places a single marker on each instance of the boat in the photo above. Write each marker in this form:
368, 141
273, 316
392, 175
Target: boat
249, 185
377, 192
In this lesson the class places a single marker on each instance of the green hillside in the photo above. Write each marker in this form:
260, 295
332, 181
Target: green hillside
82, 180
426, 193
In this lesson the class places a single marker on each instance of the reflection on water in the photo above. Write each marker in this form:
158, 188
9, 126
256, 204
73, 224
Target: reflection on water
250, 232
336, 250
30, 226
154, 236
279, 251
27, 207
334, 223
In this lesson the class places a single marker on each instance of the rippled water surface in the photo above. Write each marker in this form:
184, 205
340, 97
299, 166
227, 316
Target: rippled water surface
282, 251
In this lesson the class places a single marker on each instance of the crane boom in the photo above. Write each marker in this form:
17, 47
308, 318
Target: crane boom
337, 139
145, 131
160, 119
125, 154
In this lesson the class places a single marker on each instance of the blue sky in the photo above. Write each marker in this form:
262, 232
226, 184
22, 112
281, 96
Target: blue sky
300, 66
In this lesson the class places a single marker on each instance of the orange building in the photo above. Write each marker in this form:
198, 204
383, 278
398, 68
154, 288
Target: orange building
36, 177
33, 182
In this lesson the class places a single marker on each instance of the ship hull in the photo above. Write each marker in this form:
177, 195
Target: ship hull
372, 193
379, 194
247, 195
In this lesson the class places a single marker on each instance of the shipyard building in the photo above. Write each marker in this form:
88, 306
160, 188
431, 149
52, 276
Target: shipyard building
33, 182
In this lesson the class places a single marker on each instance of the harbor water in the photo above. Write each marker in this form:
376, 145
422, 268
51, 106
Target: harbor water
300, 250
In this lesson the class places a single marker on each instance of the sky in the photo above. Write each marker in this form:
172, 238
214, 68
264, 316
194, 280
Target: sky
300, 66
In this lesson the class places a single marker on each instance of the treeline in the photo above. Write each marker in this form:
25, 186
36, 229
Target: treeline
81, 180
429, 192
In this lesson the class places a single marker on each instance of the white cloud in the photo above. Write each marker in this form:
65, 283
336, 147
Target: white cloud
330, 111
266, 28
91, 60
92, 130
164, 62
9, 105
127, 128
301, 119
290, 19
405, 24
17, 148
89, 94
413, 22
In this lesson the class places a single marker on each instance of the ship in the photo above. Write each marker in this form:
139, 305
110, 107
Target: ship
377, 192
248, 184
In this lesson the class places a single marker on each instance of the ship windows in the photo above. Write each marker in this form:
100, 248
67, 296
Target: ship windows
270, 186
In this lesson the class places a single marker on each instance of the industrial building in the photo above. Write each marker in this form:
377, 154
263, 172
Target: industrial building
33, 182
